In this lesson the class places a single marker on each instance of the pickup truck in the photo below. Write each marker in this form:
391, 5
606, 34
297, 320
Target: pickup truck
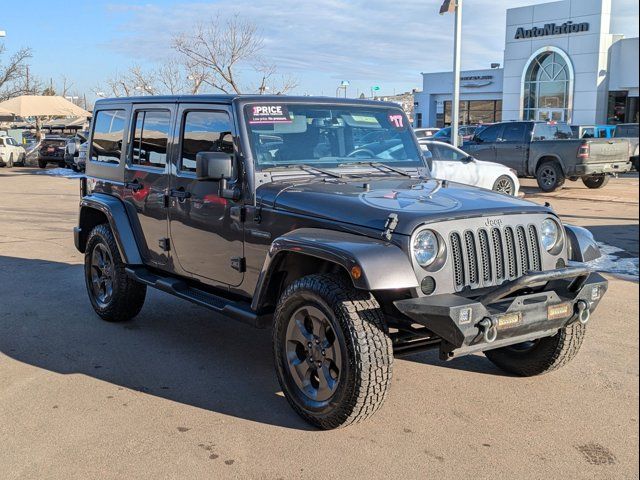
548, 152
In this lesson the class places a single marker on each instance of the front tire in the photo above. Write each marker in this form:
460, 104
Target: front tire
542, 355
505, 184
10, 164
42, 163
596, 181
113, 295
333, 354
550, 177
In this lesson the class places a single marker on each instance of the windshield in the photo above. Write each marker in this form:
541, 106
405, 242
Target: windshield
329, 136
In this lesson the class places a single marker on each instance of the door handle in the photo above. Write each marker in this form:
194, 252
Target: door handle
134, 186
179, 193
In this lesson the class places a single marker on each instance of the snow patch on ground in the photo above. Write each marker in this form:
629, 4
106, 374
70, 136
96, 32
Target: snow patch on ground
612, 262
60, 172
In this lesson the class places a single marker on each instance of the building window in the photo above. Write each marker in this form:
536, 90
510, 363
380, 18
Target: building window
622, 108
474, 112
547, 86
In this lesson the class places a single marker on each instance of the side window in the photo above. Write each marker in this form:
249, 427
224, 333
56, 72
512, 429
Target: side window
489, 134
513, 132
150, 137
204, 131
543, 131
108, 133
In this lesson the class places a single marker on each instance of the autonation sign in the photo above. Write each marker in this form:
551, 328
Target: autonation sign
552, 29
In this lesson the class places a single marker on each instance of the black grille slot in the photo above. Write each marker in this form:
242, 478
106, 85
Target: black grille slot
524, 251
485, 255
536, 265
472, 257
456, 254
510, 247
499, 255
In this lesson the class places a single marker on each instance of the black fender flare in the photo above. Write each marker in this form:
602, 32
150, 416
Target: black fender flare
116, 214
383, 265
582, 246
550, 156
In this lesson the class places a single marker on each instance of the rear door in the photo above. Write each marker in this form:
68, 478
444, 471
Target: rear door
511, 149
146, 178
206, 232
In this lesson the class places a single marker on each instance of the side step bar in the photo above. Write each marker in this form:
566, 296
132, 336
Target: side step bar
236, 310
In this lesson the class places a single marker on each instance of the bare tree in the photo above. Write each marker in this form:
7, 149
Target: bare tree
135, 81
14, 75
222, 48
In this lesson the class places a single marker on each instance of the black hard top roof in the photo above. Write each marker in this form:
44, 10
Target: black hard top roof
227, 99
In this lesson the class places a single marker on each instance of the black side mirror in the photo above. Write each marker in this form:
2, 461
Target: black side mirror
468, 159
213, 166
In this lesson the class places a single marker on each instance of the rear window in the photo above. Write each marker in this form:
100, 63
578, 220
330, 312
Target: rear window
108, 136
552, 131
626, 131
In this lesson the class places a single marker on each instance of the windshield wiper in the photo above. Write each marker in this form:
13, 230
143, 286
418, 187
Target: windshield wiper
379, 166
304, 166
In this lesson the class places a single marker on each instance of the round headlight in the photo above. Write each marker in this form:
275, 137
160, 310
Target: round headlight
425, 248
549, 234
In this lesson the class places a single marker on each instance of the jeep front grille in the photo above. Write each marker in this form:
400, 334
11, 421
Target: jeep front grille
489, 256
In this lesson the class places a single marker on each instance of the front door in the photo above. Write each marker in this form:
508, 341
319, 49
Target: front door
146, 179
483, 146
550, 115
511, 147
206, 232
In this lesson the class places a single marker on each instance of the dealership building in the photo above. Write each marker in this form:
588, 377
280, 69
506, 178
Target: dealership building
561, 62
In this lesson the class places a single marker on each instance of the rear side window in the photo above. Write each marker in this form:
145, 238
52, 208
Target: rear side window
150, 137
108, 136
204, 131
513, 132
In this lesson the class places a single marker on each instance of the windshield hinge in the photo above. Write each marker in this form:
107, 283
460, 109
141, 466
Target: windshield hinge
390, 225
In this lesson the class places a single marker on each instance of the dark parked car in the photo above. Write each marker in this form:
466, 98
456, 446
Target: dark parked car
549, 152
72, 149
51, 150
465, 132
267, 209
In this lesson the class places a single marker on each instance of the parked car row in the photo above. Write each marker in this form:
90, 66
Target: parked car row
550, 152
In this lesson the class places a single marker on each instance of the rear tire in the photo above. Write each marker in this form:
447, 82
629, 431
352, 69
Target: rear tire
114, 295
543, 355
10, 164
42, 163
342, 375
596, 181
550, 176
62, 164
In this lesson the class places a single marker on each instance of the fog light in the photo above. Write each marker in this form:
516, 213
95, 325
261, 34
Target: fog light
465, 315
595, 293
428, 285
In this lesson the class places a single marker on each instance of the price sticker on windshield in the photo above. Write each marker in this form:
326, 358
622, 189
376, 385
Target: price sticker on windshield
259, 114
396, 120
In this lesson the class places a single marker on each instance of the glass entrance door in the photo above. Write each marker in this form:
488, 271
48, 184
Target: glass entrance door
550, 115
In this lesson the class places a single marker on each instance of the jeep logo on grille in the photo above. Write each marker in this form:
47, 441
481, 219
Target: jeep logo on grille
493, 222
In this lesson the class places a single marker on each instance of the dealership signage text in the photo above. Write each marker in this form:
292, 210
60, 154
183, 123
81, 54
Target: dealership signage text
552, 29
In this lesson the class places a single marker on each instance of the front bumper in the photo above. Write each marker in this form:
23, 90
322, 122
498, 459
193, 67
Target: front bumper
554, 299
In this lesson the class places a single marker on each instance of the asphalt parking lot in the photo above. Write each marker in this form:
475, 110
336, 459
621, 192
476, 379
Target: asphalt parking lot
181, 393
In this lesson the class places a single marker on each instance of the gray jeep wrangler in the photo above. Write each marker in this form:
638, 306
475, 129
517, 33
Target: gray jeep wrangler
317, 217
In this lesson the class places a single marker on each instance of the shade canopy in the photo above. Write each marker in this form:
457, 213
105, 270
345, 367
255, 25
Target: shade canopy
42, 105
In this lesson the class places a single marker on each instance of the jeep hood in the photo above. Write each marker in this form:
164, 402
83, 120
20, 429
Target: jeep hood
367, 202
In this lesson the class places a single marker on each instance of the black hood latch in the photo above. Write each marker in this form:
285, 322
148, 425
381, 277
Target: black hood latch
390, 225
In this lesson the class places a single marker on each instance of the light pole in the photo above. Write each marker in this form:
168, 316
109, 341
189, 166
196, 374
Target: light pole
455, 6
343, 85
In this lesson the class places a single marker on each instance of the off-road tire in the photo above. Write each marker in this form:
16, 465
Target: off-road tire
548, 354
358, 321
128, 295
42, 163
596, 181
545, 171
62, 164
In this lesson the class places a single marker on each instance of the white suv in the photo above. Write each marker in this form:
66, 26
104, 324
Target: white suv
11, 152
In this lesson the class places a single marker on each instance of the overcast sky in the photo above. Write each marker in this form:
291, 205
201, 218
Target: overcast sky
321, 42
